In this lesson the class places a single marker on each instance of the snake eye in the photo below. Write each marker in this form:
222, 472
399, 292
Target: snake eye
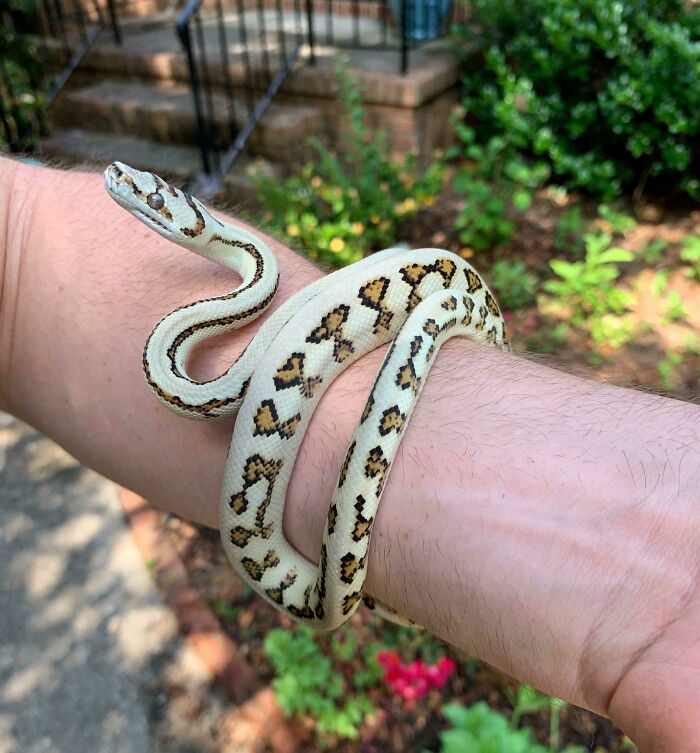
155, 201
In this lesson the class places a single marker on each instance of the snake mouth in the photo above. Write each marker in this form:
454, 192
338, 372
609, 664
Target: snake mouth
150, 219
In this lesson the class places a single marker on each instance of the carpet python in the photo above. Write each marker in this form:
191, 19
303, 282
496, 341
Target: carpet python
414, 300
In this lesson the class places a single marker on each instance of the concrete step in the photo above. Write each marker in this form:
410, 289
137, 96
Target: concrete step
156, 53
164, 112
177, 163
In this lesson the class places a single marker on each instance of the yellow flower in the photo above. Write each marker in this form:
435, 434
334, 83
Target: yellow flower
336, 245
466, 253
384, 226
429, 201
293, 230
375, 219
357, 228
352, 192
407, 205
316, 182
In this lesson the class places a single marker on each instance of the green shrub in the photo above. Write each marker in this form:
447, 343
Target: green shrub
345, 205
569, 229
675, 310
586, 288
668, 369
479, 729
690, 254
606, 92
497, 183
528, 700
653, 252
22, 90
514, 286
306, 681
619, 222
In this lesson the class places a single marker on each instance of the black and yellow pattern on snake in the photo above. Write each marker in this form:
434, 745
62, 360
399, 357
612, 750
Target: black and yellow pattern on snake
327, 595
414, 300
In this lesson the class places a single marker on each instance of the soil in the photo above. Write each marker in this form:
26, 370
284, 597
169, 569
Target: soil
398, 725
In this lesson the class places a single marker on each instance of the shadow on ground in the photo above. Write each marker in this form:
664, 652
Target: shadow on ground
90, 658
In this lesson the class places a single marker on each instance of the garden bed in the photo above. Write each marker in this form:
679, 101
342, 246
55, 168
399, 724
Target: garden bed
395, 724
663, 353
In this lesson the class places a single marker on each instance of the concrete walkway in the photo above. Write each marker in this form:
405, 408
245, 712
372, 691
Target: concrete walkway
90, 658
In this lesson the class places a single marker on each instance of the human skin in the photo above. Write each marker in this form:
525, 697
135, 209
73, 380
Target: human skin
544, 523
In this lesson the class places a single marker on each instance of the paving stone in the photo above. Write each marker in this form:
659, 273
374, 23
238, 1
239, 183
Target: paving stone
82, 630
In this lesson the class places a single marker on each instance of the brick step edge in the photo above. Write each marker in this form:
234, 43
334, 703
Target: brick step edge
201, 628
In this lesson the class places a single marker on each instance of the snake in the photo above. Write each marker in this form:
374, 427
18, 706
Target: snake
412, 300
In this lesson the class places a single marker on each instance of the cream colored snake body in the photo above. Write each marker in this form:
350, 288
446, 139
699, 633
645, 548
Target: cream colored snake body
415, 299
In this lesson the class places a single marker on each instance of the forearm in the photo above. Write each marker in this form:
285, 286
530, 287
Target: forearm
524, 502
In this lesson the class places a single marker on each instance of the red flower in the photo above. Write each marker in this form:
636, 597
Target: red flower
414, 680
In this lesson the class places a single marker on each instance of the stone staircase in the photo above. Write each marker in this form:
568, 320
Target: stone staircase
151, 125
133, 103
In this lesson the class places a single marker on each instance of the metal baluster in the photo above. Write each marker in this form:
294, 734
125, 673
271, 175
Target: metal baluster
329, 22
60, 19
228, 84
78, 10
281, 41
249, 83
310, 31
100, 14
263, 41
183, 30
297, 22
212, 129
356, 22
114, 23
50, 22
384, 20
404, 36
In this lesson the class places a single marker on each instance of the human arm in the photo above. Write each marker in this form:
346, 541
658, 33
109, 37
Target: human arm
541, 522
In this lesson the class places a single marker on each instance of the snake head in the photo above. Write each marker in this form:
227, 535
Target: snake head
169, 211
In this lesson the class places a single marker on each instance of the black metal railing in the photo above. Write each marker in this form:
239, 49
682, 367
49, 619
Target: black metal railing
400, 25
237, 59
69, 29
240, 54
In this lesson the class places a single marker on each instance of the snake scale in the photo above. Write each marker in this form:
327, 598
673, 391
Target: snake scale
415, 300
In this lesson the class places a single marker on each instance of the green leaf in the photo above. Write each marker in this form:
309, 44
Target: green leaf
522, 200
565, 269
615, 255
